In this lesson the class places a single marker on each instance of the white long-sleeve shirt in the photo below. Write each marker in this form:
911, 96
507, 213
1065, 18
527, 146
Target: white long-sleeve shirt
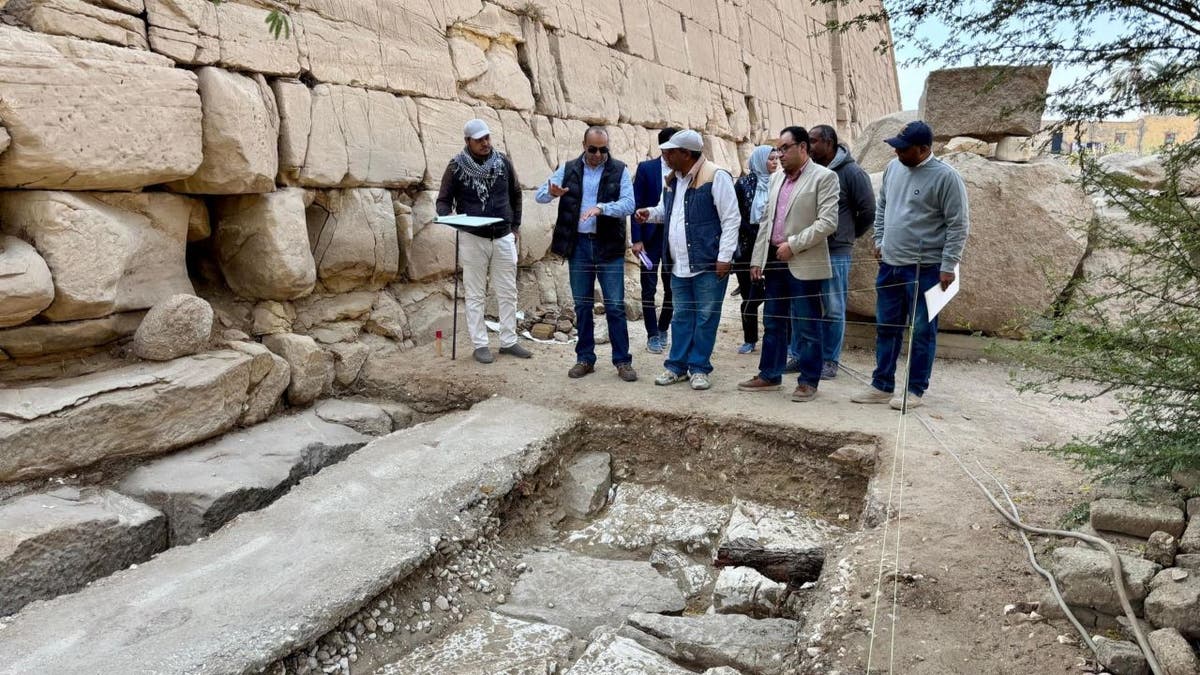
725, 199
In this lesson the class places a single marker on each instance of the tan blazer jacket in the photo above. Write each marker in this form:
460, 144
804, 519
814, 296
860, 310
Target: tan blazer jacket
812, 215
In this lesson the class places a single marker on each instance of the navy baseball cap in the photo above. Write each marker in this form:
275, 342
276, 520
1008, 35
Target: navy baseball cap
913, 133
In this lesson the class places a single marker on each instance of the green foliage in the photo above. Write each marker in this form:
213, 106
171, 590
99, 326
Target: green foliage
277, 21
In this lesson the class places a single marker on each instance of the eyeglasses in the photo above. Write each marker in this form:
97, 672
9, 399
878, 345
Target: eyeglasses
782, 149
592, 149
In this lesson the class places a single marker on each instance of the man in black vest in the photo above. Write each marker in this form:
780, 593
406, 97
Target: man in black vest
595, 194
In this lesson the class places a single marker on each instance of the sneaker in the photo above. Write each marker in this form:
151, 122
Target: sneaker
700, 381
746, 348
654, 345
756, 383
792, 366
665, 339
515, 349
871, 395
626, 372
669, 377
897, 402
804, 393
829, 371
484, 355
580, 369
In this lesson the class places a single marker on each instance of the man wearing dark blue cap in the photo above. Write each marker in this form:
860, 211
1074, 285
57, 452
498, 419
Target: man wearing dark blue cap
921, 225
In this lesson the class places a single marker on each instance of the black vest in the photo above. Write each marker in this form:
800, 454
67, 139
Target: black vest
610, 232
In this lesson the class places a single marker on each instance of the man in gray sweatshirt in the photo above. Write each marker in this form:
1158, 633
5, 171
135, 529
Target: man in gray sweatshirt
921, 225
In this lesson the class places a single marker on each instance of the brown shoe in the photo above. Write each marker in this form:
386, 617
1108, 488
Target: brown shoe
626, 372
756, 383
580, 369
804, 393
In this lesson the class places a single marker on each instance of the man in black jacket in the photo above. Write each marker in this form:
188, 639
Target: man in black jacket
595, 198
481, 181
856, 215
648, 238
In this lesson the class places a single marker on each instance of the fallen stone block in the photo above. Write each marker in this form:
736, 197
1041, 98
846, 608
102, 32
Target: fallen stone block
714, 640
311, 367
642, 517
1139, 520
89, 116
365, 418
1174, 601
136, 411
870, 151
1085, 578
1173, 652
610, 653
26, 287
985, 102
57, 542
784, 547
357, 527
487, 643
1015, 149
586, 481
178, 326
742, 590
1121, 657
581, 593
202, 488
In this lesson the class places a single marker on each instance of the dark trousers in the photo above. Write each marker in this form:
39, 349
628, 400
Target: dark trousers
895, 288
655, 322
794, 303
752, 293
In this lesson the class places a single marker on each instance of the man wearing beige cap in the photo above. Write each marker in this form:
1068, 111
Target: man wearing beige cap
481, 181
699, 206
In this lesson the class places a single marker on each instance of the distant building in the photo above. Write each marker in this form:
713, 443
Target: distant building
1144, 136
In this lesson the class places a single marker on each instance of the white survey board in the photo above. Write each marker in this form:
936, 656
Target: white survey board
936, 298
467, 221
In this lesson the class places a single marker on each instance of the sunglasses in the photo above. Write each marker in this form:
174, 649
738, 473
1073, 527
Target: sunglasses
592, 149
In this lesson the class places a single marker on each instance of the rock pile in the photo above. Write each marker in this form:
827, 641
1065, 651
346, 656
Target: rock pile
1159, 546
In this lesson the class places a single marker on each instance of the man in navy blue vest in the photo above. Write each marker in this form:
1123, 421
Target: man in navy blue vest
595, 197
700, 210
647, 237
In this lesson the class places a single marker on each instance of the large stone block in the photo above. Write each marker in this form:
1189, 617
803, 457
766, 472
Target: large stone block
241, 130
354, 239
349, 137
1086, 580
107, 252
26, 287
136, 411
610, 653
712, 641
985, 102
489, 643
1027, 237
232, 34
502, 84
177, 326
393, 46
81, 19
311, 367
36, 340
525, 149
202, 488
871, 153
442, 132
262, 245
1128, 517
57, 542
89, 116
1174, 602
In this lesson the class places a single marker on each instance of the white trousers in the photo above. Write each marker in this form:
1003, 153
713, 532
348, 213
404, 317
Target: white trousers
482, 257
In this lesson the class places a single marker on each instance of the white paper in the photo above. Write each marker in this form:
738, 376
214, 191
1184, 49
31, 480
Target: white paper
936, 299
467, 221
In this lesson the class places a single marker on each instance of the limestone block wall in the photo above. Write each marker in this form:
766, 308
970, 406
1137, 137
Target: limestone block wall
152, 147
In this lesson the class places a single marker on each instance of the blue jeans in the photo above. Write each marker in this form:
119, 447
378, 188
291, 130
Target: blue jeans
698, 302
833, 297
796, 302
894, 295
584, 269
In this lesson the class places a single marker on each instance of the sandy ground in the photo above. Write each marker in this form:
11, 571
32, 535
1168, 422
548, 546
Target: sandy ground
967, 562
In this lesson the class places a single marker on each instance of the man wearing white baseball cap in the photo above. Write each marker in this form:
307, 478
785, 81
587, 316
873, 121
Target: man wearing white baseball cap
481, 181
700, 207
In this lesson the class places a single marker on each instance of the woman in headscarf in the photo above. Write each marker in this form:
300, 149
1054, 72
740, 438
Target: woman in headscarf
751, 191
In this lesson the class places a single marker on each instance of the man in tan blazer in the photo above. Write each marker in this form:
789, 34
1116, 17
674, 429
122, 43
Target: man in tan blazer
792, 256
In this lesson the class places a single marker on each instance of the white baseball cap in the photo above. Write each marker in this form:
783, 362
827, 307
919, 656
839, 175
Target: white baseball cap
684, 140
476, 129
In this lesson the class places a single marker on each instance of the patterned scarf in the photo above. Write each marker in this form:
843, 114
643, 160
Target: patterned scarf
481, 176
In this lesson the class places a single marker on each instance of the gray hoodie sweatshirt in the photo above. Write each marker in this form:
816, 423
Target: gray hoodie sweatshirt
922, 215
856, 203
